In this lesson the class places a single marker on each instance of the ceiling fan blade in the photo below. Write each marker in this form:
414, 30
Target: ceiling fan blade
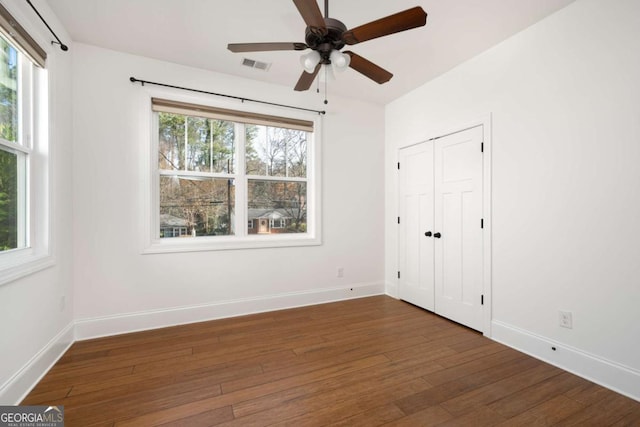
312, 16
368, 68
305, 80
264, 47
402, 21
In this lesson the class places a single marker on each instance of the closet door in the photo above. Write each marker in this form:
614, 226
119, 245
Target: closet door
458, 212
416, 257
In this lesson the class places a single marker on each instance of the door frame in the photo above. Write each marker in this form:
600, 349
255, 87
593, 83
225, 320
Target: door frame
485, 122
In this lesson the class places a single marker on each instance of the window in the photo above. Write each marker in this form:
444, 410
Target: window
23, 161
217, 169
277, 223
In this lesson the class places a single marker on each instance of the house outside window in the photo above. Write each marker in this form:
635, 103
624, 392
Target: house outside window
23, 160
216, 168
171, 226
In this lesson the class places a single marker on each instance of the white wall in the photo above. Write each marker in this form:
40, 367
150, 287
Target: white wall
565, 104
118, 289
34, 326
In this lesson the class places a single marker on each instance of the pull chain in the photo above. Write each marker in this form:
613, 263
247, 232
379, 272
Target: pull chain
324, 69
326, 78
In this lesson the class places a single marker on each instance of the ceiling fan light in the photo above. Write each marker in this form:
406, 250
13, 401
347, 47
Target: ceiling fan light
339, 60
310, 60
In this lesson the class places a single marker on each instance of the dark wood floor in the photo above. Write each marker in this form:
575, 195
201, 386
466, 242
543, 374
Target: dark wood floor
367, 362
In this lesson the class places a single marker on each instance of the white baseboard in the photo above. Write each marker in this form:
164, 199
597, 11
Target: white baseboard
133, 322
20, 384
614, 376
391, 289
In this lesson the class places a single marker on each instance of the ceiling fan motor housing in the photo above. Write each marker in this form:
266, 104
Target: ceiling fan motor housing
317, 40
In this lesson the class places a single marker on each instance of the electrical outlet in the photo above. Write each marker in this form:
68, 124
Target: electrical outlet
566, 319
340, 272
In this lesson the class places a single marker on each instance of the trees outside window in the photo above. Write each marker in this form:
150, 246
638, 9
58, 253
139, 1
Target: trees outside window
9, 159
14, 150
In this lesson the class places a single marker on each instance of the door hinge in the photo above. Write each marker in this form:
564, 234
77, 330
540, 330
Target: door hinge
481, 299
398, 165
398, 274
398, 220
482, 147
481, 222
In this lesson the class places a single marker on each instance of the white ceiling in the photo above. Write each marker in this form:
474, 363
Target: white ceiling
196, 33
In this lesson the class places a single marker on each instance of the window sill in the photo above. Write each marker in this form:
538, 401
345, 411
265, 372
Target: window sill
202, 244
17, 264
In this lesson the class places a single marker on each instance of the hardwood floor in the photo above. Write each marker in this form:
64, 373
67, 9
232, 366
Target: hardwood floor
366, 362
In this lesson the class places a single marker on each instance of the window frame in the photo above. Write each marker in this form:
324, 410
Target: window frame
150, 203
32, 148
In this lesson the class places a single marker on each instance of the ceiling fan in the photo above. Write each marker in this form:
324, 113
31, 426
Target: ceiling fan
327, 36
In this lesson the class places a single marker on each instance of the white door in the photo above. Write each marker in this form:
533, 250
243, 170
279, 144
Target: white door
458, 214
440, 235
416, 255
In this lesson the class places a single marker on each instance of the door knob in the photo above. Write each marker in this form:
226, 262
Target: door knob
437, 235
428, 234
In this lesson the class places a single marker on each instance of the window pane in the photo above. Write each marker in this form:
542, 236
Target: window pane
192, 207
8, 200
171, 142
277, 207
210, 145
8, 92
272, 151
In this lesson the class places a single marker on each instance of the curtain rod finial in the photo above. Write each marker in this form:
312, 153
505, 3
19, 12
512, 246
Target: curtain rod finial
63, 47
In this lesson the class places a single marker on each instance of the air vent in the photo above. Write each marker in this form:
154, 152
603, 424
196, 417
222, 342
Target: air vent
264, 66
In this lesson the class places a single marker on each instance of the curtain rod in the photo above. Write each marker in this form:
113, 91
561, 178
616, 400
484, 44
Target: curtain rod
143, 82
63, 46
